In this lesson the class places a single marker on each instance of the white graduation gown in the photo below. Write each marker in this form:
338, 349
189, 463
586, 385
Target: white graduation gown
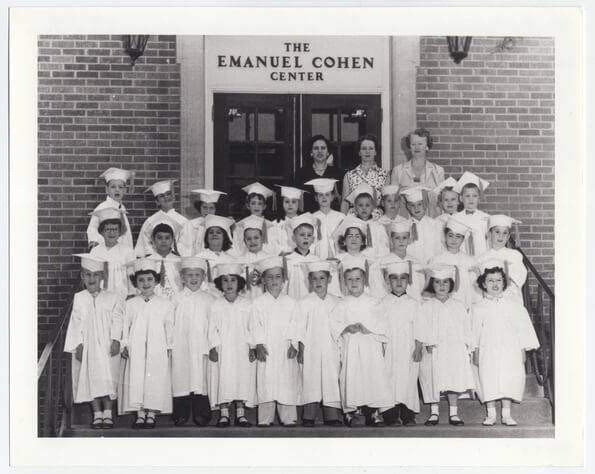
171, 284
363, 376
297, 285
117, 276
380, 244
233, 376
93, 234
478, 221
143, 244
274, 323
321, 353
466, 293
401, 313
94, 323
446, 327
502, 329
147, 333
192, 238
325, 248
429, 240
378, 287
190, 347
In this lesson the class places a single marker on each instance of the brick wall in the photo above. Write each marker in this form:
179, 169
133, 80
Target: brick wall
493, 114
96, 111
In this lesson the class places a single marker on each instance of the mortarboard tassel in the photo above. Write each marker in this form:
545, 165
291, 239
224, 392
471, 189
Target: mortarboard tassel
264, 231
274, 202
248, 286
162, 273
131, 182
341, 279
369, 242
301, 202
414, 235
470, 245
375, 195
517, 235
507, 273
367, 275
410, 277
318, 229
285, 271
209, 274
457, 279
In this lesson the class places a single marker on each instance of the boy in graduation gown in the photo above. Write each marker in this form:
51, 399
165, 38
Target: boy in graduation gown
292, 200
163, 191
254, 240
321, 354
194, 230
257, 196
93, 337
115, 188
162, 237
274, 329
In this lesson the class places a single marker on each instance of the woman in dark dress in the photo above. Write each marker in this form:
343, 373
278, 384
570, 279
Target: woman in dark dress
318, 167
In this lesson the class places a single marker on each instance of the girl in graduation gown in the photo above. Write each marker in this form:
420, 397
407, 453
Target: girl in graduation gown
327, 218
93, 337
232, 359
502, 332
360, 329
445, 332
292, 201
190, 346
147, 338
254, 242
448, 199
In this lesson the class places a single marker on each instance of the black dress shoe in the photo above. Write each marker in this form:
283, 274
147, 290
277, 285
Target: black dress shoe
432, 420
457, 422
333, 423
242, 421
409, 422
201, 421
180, 421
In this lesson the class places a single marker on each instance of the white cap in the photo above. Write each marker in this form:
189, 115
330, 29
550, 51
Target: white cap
397, 268
390, 189
441, 271
350, 221
320, 266
268, 263
414, 194
194, 262
470, 178
491, 262
258, 189
349, 262
457, 226
107, 213
253, 222
116, 173
401, 225
305, 218
161, 187
322, 185
363, 188
208, 195
449, 182
91, 262
502, 221
228, 268
213, 220
290, 193
146, 264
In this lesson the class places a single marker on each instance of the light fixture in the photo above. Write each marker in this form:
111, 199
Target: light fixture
458, 47
135, 45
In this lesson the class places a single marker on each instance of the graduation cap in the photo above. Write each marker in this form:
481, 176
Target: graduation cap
145, 264
490, 262
470, 178
208, 195
415, 194
161, 187
91, 262
501, 220
363, 188
442, 271
352, 221
111, 174
449, 182
306, 218
399, 268
390, 189
194, 262
458, 227
256, 222
176, 227
257, 188
398, 226
322, 185
229, 268
272, 262
109, 214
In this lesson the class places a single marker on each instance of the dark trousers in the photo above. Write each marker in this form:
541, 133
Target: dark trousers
397, 412
198, 405
328, 413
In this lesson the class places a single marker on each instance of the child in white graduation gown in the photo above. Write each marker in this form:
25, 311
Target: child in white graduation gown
502, 332
93, 337
254, 242
445, 332
292, 201
274, 329
163, 191
447, 198
162, 238
115, 253
115, 188
321, 354
232, 359
190, 346
403, 350
147, 339
470, 187
360, 329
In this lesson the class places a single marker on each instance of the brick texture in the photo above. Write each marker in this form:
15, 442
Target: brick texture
493, 114
96, 111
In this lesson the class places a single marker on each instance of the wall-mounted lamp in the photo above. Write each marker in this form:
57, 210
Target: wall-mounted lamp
135, 45
458, 47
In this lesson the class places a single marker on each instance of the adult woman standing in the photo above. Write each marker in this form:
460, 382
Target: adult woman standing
320, 167
366, 172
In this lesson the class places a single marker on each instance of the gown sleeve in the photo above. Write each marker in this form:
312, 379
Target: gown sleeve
213, 336
93, 234
518, 271
295, 327
126, 324
117, 320
75, 331
477, 320
337, 322
256, 326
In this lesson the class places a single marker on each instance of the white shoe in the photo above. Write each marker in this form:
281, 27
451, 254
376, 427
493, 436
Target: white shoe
489, 421
508, 421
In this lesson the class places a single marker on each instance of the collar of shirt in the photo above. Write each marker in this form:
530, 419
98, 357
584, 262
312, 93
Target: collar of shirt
398, 296
296, 251
495, 297
408, 168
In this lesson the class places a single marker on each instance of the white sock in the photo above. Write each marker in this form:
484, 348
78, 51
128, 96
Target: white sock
491, 412
435, 409
150, 414
107, 413
505, 412
97, 414
225, 411
140, 414
452, 410
239, 412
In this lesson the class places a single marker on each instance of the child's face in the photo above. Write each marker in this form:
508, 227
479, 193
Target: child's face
400, 241
166, 201
449, 201
363, 207
303, 236
163, 242
110, 234
116, 189
92, 280
494, 284
453, 241
416, 209
354, 281
253, 240
273, 280
441, 287
499, 236
324, 200
193, 278
353, 239
229, 285
398, 283
257, 205
470, 198
145, 282
207, 208
215, 238
291, 206
319, 282
391, 204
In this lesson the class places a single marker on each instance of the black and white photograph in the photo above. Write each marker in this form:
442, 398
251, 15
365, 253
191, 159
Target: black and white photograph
346, 235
